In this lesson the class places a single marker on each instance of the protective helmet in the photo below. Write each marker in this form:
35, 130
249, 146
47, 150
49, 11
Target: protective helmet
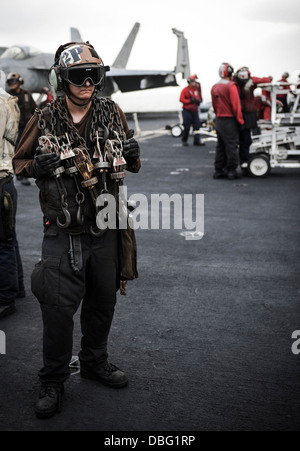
285, 75
75, 63
243, 75
192, 78
226, 70
13, 78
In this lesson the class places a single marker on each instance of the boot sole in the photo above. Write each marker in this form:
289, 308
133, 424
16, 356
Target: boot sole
45, 416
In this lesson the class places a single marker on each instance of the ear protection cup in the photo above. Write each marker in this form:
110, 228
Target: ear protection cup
21, 81
55, 78
230, 70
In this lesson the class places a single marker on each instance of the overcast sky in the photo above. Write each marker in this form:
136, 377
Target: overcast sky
262, 34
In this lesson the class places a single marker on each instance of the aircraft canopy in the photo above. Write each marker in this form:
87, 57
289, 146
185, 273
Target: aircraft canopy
20, 53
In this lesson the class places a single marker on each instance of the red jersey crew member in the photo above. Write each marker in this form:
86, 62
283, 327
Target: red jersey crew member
191, 98
247, 84
283, 95
227, 106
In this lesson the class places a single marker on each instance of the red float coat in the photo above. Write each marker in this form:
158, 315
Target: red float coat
226, 100
187, 94
248, 101
283, 88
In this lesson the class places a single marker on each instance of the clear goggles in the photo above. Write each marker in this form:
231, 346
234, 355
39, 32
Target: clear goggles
78, 76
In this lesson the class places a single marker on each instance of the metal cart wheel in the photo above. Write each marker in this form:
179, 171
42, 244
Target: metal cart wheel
177, 131
259, 165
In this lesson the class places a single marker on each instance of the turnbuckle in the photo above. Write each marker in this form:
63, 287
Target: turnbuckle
114, 151
66, 151
48, 144
103, 164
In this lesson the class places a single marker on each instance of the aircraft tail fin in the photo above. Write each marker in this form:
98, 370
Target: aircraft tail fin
75, 35
183, 57
123, 57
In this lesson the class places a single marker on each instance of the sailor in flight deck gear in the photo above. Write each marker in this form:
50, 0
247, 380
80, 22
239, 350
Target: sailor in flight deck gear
227, 107
283, 96
11, 270
247, 84
191, 98
26, 102
75, 148
26, 105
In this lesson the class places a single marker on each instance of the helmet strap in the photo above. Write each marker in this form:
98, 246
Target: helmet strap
80, 104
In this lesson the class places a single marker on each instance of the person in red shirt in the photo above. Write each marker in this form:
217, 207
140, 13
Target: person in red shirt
247, 84
264, 104
227, 107
285, 90
48, 99
191, 98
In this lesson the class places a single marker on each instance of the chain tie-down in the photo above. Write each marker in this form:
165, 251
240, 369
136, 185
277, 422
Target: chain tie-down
48, 144
105, 131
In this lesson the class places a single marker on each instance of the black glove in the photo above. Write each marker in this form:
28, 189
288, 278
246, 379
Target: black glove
195, 101
131, 149
44, 164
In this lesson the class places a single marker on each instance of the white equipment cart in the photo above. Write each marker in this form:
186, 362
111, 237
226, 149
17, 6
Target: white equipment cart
278, 145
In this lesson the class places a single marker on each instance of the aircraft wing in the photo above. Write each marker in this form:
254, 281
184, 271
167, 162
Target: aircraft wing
39, 69
133, 80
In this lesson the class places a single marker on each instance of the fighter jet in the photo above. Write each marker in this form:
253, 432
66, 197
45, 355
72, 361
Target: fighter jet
34, 66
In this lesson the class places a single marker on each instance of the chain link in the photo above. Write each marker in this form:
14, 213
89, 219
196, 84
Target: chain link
41, 120
105, 115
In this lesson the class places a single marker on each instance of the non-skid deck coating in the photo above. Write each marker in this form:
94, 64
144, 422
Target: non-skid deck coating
205, 333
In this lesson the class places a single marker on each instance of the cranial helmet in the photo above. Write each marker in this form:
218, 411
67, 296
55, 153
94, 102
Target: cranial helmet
75, 63
226, 70
14, 77
193, 78
243, 75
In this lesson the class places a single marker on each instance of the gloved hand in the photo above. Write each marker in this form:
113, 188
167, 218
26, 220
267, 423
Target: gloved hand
131, 149
44, 164
195, 101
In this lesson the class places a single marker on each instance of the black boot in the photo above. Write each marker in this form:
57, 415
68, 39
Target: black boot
219, 174
233, 175
49, 401
106, 373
